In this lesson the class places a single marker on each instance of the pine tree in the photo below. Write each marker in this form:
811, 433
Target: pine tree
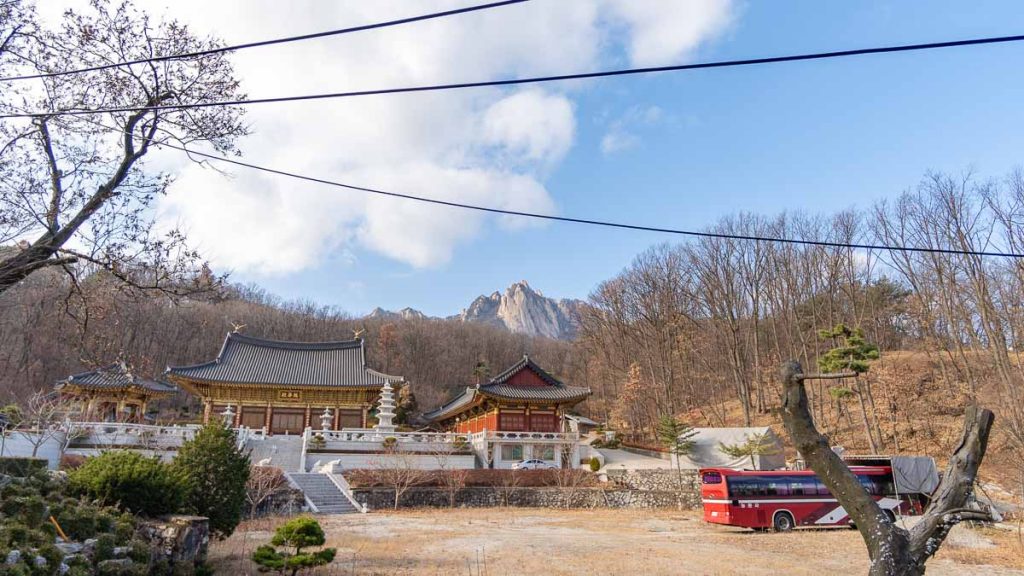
852, 353
216, 473
296, 534
677, 438
757, 444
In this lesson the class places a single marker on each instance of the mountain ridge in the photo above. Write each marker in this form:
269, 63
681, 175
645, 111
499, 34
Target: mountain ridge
519, 309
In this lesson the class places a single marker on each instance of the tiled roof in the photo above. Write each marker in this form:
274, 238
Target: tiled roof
518, 366
250, 360
553, 393
498, 387
115, 377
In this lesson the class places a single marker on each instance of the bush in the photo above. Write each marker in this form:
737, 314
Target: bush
134, 482
296, 534
20, 466
216, 472
595, 464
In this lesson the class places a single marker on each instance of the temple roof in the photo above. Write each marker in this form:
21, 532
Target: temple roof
501, 387
250, 360
116, 377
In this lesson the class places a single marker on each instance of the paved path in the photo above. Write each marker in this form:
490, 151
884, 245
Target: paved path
620, 459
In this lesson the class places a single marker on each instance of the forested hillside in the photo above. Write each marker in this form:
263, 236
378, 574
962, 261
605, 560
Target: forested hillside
698, 329
48, 331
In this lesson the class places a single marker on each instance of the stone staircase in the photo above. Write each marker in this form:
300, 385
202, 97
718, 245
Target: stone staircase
323, 493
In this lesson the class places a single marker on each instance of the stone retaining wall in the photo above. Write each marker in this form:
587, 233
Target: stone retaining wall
658, 479
484, 497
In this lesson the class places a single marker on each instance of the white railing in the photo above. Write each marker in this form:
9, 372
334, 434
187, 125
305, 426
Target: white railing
147, 436
346, 489
531, 437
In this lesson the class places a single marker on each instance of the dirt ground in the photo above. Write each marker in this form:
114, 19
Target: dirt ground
499, 541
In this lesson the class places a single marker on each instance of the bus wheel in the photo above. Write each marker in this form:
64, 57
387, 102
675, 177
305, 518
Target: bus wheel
783, 522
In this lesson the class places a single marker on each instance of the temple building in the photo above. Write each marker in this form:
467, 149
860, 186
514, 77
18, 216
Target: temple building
286, 386
523, 398
112, 394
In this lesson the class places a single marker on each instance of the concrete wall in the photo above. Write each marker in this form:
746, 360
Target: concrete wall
18, 444
486, 497
372, 461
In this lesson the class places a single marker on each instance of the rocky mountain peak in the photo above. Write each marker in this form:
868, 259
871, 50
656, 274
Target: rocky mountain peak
520, 308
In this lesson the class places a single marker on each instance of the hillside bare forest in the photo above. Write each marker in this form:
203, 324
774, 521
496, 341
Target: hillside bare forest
698, 328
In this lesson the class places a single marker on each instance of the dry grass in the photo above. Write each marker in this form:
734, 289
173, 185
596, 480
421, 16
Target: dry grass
497, 541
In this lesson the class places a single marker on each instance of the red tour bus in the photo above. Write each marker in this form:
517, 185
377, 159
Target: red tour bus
785, 499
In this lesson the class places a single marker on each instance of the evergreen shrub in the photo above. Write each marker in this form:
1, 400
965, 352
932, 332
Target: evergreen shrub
131, 481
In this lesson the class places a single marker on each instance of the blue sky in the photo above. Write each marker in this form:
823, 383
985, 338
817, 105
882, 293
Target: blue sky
813, 136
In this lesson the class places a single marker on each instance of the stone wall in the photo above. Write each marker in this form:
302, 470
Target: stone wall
484, 497
658, 479
179, 540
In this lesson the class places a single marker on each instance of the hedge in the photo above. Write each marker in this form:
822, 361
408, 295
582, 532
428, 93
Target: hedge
21, 466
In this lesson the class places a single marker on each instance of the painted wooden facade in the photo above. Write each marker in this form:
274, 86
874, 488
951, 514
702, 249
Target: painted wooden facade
523, 398
286, 387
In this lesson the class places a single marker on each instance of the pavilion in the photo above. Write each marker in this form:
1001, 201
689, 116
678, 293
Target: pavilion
113, 393
285, 387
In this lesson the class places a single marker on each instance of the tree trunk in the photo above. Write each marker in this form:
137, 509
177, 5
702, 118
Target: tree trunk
893, 550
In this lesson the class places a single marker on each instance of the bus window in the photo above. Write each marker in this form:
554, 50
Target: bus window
711, 478
803, 486
778, 489
822, 490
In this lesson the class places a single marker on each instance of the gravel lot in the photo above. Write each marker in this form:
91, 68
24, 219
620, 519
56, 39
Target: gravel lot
499, 541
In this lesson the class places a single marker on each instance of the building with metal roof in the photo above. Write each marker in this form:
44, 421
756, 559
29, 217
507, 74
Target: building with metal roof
285, 386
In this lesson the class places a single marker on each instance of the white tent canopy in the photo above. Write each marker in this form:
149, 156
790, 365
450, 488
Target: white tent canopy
707, 453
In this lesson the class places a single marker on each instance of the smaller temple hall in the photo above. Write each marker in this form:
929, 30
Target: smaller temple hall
523, 398
112, 394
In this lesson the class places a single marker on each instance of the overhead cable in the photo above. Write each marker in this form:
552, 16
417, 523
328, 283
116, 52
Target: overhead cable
535, 79
592, 222
288, 39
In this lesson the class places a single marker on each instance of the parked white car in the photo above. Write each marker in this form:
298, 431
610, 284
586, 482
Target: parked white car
533, 465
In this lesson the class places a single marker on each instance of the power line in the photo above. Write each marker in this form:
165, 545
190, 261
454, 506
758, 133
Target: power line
591, 222
540, 79
285, 40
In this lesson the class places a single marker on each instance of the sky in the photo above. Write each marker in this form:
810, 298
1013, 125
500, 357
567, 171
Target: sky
674, 150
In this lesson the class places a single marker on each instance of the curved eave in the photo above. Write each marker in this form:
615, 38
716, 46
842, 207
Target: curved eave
140, 390
189, 383
573, 398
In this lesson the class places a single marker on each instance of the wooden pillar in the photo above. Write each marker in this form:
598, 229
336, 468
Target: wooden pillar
267, 418
207, 408
366, 409
307, 418
337, 417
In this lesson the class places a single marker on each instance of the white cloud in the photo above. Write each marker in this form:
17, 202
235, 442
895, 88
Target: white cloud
666, 32
488, 146
621, 133
532, 126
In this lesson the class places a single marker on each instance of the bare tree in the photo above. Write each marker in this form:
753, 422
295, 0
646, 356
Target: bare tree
508, 485
264, 483
894, 551
452, 477
77, 185
397, 469
45, 418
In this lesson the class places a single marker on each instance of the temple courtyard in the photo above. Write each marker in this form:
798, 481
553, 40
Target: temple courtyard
499, 541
